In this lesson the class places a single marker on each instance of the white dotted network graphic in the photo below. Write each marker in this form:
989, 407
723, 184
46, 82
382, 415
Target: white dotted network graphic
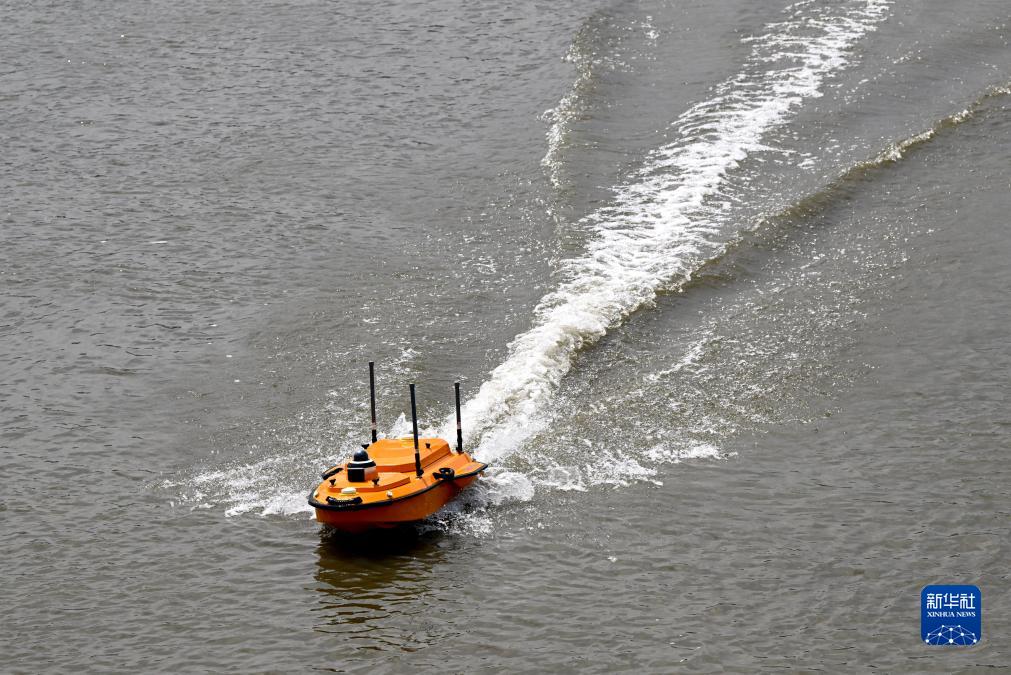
951, 635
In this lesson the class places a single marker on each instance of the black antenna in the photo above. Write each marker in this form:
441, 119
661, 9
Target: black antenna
414, 420
459, 425
372, 394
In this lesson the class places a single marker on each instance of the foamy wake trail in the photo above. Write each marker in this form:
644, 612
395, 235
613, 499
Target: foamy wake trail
663, 223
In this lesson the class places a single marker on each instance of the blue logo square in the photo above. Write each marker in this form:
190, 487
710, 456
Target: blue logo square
951, 616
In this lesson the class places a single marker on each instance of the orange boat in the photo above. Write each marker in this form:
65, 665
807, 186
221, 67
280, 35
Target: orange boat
392, 481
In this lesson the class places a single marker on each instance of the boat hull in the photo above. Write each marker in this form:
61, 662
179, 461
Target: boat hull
409, 509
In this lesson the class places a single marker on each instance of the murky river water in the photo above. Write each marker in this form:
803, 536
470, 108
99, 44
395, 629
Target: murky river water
726, 285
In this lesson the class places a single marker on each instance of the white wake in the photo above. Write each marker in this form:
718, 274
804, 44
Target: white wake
662, 224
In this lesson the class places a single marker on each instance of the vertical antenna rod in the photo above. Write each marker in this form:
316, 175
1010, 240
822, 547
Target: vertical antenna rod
414, 420
372, 394
459, 425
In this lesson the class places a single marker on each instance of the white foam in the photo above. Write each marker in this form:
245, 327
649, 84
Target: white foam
663, 223
506, 487
560, 117
571, 107
690, 359
678, 453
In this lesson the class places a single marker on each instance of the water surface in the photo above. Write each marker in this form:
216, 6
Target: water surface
726, 287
